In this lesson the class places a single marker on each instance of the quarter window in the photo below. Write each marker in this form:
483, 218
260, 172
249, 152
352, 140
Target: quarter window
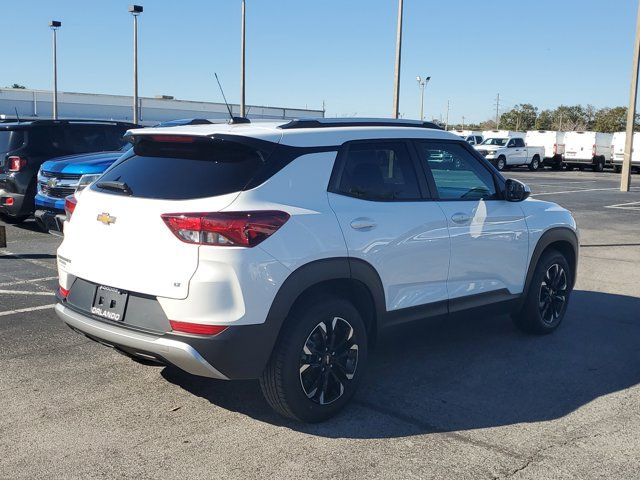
457, 174
379, 171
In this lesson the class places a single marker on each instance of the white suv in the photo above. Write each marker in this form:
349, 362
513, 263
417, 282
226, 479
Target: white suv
280, 251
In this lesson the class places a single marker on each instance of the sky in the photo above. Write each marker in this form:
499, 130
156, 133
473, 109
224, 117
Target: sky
301, 53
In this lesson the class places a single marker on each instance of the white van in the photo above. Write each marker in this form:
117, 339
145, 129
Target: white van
617, 151
473, 137
553, 143
502, 134
591, 149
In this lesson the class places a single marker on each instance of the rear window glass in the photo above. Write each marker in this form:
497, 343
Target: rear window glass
10, 140
185, 171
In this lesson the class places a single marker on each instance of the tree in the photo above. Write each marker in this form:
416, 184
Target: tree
17, 85
610, 120
569, 118
544, 120
520, 117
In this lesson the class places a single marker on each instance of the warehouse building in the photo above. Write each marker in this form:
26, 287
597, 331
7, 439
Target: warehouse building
35, 104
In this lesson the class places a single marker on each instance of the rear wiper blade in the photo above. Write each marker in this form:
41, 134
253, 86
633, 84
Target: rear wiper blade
117, 186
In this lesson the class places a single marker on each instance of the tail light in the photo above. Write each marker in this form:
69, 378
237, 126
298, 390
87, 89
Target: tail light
225, 229
64, 293
593, 151
197, 328
555, 148
16, 163
70, 205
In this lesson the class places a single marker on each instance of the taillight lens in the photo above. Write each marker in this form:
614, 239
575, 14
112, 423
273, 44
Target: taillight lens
64, 293
593, 151
555, 148
16, 163
197, 328
227, 229
70, 205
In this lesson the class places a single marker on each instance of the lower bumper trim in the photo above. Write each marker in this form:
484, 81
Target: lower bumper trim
177, 353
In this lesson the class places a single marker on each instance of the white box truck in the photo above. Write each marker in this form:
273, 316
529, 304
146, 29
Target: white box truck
617, 151
553, 144
587, 149
474, 137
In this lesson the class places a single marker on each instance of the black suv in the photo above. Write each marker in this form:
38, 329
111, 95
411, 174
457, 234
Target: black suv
24, 146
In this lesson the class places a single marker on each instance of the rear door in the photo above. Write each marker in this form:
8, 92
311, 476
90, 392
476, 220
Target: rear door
389, 221
119, 239
489, 235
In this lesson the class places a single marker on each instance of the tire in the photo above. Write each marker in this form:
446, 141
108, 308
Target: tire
289, 384
548, 295
617, 168
599, 165
535, 163
501, 163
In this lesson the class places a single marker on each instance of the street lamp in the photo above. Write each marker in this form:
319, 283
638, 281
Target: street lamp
242, 62
396, 83
54, 25
422, 83
135, 10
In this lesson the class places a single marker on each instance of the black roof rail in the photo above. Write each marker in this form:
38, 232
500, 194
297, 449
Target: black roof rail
356, 122
69, 120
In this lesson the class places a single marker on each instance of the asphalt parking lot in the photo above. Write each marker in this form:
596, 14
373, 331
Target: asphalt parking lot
467, 399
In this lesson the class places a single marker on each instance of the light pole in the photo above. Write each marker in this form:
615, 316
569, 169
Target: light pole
422, 83
135, 10
396, 86
54, 25
625, 181
242, 62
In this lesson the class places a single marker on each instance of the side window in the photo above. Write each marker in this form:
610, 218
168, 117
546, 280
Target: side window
379, 171
457, 174
519, 142
478, 140
512, 143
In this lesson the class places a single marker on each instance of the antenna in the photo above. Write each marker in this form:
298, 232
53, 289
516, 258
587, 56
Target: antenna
17, 116
223, 97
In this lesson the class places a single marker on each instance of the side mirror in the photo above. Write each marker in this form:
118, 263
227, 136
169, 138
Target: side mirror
516, 191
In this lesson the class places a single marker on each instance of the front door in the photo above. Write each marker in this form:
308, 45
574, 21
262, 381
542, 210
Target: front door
489, 235
388, 221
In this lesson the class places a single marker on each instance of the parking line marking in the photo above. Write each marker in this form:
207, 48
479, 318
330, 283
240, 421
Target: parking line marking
30, 309
25, 292
22, 282
625, 206
576, 191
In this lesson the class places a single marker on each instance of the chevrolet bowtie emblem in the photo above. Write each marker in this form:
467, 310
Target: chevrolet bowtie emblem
52, 182
106, 219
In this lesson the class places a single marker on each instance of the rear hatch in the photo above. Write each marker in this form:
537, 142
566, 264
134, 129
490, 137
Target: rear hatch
117, 237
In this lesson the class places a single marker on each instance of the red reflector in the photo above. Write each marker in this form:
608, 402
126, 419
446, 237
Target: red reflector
16, 163
225, 229
64, 293
70, 205
172, 138
198, 328
8, 201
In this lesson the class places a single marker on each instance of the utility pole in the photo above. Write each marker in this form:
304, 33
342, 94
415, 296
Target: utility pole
396, 85
422, 83
446, 123
135, 10
625, 181
242, 63
55, 25
497, 111
462, 122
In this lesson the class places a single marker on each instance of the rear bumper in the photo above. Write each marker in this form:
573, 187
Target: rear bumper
11, 186
19, 206
166, 350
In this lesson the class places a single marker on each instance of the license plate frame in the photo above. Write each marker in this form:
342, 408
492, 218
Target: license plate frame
109, 303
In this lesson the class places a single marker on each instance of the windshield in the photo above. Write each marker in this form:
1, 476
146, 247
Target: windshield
10, 140
495, 141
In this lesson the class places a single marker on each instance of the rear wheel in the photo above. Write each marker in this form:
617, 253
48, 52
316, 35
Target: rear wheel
535, 163
501, 163
598, 166
617, 168
318, 360
548, 295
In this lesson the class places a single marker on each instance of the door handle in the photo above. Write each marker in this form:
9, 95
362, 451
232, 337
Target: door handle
460, 218
363, 224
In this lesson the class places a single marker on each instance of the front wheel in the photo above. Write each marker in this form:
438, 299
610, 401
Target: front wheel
501, 163
599, 165
535, 163
318, 360
548, 294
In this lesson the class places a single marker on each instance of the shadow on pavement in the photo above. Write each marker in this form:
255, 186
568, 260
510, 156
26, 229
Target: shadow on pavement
471, 373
